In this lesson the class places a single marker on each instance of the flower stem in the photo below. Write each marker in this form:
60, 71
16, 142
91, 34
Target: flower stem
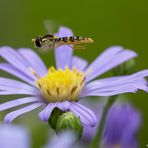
97, 139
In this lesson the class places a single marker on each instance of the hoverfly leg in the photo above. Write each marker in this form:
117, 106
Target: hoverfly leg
56, 46
71, 46
78, 47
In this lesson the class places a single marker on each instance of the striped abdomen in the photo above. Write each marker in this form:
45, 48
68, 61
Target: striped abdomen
73, 40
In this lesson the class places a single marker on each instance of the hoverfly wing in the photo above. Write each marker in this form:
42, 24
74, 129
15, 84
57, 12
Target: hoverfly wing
51, 26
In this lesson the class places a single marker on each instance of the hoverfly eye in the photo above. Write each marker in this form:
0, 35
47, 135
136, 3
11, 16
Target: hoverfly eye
38, 42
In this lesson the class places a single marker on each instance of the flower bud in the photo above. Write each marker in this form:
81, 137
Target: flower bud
54, 117
68, 121
125, 68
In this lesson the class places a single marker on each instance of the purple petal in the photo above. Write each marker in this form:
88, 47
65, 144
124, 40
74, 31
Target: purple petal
18, 92
64, 106
114, 78
12, 70
86, 115
111, 85
10, 51
34, 60
111, 58
18, 61
120, 79
14, 136
107, 55
140, 74
105, 88
16, 84
18, 102
111, 93
136, 77
12, 115
114, 85
96, 106
110, 90
45, 114
64, 32
9, 86
66, 139
79, 63
63, 54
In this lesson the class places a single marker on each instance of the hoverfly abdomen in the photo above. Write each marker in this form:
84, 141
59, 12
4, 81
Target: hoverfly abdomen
59, 39
56, 40
64, 39
78, 38
71, 38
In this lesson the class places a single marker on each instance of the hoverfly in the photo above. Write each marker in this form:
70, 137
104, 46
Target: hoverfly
50, 41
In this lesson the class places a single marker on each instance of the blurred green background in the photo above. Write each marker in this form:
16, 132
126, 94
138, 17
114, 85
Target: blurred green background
115, 22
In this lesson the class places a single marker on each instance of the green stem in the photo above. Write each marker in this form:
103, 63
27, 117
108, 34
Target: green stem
97, 140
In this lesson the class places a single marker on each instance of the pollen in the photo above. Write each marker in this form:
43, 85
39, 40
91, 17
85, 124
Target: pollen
61, 85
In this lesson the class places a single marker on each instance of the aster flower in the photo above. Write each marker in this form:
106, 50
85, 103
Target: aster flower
12, 136
65, 139
63, 86
120, 129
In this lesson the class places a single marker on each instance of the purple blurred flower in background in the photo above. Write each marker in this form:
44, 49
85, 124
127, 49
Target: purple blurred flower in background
14, 137
120, 129
66, 139
64, 85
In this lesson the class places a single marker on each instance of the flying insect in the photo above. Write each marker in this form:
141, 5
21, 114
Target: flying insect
50, 41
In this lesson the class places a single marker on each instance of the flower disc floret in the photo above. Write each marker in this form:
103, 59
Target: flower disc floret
61, 85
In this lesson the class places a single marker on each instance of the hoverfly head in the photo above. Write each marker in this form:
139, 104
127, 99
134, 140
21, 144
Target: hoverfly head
38, 41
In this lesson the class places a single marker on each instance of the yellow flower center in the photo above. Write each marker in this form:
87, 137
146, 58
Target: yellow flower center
60, 85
